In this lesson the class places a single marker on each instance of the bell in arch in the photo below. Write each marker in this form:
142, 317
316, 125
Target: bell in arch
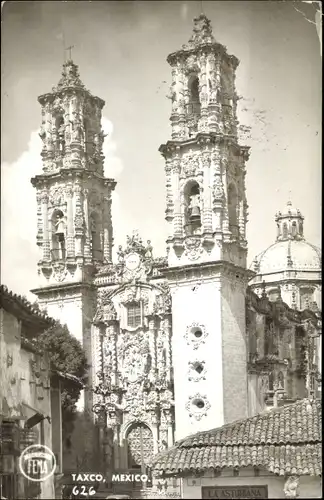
194, 206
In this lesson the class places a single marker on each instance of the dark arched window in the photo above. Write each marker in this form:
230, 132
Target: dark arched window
194, 105
194, 99
96, 246
60, 131
134, 314
294, 228
285, 230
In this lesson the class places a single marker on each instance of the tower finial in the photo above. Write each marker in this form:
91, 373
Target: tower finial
70, 51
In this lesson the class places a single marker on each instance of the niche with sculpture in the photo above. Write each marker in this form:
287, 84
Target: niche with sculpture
58, 223
192, 208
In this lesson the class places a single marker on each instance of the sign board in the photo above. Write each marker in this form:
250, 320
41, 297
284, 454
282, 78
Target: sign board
223, 492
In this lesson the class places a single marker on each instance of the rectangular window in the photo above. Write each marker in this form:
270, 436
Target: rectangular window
134, 315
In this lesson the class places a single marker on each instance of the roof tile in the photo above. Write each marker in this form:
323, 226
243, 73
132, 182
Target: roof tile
285, 440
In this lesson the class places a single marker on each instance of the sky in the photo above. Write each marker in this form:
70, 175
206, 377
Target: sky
121, 49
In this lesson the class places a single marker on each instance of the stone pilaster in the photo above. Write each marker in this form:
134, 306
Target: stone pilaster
107, 232
207, 209
87, 252
70, 225
46, 240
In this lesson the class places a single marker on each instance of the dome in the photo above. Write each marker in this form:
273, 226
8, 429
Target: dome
290, 255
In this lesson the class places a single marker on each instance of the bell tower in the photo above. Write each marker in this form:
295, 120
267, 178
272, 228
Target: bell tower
74, 226
206, 210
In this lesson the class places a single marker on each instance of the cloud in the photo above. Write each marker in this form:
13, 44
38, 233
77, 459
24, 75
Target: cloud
113, 164
184, 11
19, 252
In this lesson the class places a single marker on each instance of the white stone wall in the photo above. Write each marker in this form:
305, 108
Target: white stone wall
18, 393
217, 306
309, 487
202, 306
67, 311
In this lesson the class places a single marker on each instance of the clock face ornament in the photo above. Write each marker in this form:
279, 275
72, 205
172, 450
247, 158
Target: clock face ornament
132, 261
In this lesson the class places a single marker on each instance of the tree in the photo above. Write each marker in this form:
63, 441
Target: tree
66, 356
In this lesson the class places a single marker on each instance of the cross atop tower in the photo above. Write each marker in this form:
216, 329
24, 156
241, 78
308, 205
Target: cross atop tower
70, 51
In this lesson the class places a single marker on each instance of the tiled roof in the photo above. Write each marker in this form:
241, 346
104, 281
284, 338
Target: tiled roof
286, 440
23, 309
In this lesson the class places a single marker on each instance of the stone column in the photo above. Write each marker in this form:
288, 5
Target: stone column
87, 252
78, 219
152, 337
46, 241
117, 447
107, 233
170, 428
40, 224
177, 221
154, 426
225, 216
70, 228
203, 96
168, 329
218, 191
183, 97
241, 220
111, 333
207, 210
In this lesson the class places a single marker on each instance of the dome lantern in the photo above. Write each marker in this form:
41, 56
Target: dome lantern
289, 224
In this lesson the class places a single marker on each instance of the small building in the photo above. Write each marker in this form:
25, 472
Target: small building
30, 396
275, 454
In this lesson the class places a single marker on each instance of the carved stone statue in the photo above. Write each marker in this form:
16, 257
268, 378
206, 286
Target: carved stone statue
60, 225
162, 445
291, 487
120, 254
77, 131
194, 201
149, 250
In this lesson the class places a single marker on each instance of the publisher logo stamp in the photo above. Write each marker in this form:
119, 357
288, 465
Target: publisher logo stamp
37, 463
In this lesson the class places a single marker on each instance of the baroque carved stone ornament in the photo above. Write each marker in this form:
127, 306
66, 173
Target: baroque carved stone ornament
197, 371
59, 271
197, 406
291, 487
195, 335
193, 247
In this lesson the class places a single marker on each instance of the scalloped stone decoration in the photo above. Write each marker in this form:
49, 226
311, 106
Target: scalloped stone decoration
197, 371
195, 335
197, 406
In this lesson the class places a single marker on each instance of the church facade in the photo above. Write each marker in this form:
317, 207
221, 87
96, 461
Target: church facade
176, 344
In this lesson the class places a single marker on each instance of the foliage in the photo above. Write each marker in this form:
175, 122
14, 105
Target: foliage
66, 356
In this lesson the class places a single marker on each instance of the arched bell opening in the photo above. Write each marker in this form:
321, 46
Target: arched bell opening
60, 132
194, 105
232, 210
95, 237
192, 199
285, 230
58, 225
